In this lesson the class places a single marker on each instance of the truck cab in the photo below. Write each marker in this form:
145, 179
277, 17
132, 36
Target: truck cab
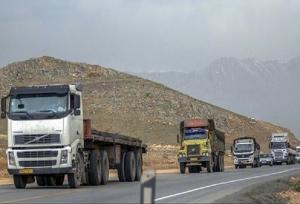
45, 130
246, 152
281, 149
201, 146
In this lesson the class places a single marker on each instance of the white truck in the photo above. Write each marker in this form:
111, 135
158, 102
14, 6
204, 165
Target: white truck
48, 139
281, 149
246, 152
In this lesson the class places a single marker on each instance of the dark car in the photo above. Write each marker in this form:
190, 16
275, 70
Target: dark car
266, 159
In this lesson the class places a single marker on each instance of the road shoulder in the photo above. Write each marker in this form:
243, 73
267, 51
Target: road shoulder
260, 193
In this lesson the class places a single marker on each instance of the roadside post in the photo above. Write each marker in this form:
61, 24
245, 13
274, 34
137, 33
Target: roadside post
148, 186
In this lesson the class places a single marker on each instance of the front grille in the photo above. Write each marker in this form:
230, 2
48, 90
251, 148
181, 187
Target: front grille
37, 154
46, 163
241, 156
193, 149
278, 154
37, 139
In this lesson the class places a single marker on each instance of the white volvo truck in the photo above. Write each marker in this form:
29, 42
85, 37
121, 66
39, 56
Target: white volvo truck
282, 150
48, 139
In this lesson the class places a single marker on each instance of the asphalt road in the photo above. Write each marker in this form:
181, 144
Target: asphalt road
170, 188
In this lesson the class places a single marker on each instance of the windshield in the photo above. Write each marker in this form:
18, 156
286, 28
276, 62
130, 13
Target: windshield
49, 105
195, 133
278, 145
243, 147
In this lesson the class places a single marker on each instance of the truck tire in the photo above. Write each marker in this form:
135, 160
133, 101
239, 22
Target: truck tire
20, 181
121, 168
182, 167
221, 158
74, 179
59, 180
95, 170
105, 167
50, 180
139, 165
209, 165
40, 180
130, 166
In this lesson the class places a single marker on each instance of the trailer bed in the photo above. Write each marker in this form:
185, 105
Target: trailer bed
92, 136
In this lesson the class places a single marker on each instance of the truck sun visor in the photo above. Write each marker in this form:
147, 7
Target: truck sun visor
59, 89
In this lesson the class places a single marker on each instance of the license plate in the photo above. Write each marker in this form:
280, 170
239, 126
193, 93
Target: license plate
26, 171
194, 159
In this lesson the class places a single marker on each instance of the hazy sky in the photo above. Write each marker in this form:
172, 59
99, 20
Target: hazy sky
153, 35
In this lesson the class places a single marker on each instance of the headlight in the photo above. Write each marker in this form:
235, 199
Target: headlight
251, 157
11, 159
64, 157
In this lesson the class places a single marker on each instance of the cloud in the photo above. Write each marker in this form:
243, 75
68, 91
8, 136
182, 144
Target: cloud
152, 35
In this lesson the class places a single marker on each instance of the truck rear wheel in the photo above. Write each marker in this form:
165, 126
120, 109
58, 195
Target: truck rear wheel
121, 168
20, 181
74, 179
182, 168
139, 165
105, 167
130, 166
95, 172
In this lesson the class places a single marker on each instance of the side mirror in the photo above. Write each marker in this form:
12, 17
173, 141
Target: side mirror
3, 107
178, 139
77, 102
231, 149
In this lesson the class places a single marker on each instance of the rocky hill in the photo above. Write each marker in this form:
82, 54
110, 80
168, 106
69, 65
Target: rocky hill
130, 105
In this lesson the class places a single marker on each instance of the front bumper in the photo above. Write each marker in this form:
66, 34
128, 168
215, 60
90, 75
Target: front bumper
39, 161
193, 159
266, 162
42, 171
243, 162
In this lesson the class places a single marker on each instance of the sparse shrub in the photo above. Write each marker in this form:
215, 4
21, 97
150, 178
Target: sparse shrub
297, 187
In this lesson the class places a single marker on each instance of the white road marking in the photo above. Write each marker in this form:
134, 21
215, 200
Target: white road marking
223, 183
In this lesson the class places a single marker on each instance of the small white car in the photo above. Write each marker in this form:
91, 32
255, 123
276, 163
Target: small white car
266, 159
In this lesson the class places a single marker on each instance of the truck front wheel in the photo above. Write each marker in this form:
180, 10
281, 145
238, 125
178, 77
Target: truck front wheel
59, 180
40, 180
182, 168
209, 165
74, 179
20, 181
130, 166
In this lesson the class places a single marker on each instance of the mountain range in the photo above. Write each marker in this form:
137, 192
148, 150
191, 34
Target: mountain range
265, 90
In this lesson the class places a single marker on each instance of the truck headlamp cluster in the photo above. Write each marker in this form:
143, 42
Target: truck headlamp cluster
64, 157
180, 155
204, 153
11, 159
